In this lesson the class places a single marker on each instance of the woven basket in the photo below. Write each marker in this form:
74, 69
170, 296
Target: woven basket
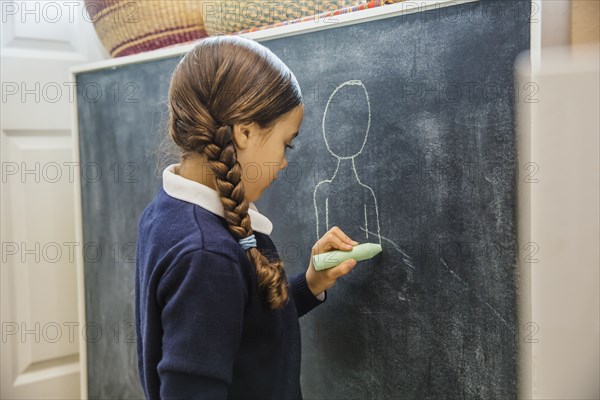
231, 16
327, 15
128, 27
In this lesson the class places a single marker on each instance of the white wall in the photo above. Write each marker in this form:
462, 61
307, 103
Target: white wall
558, 226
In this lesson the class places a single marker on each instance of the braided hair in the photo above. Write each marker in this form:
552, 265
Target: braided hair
221, 81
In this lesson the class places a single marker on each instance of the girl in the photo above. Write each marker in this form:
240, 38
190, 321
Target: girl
216, 316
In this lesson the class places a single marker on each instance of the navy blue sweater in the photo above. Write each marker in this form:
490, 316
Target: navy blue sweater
202, 330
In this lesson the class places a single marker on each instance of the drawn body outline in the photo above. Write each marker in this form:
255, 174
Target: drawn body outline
354, 82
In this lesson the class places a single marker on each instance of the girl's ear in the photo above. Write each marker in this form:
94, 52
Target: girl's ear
242, 134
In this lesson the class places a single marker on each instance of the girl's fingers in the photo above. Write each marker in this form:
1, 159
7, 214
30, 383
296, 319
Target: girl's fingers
338, 232
334, 239
327, 243
334, 242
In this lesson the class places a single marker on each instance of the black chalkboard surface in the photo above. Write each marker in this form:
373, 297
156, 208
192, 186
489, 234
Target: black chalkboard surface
120, 114
408, 140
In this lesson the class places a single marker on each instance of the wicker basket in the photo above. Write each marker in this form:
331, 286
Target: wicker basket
231, 16
128, 27
327, 15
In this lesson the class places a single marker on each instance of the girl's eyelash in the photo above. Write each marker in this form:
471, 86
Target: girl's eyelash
290, 146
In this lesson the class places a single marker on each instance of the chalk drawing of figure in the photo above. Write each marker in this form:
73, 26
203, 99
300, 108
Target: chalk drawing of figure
344, 200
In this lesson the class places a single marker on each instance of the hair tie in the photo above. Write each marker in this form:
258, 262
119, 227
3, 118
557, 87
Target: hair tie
248, 242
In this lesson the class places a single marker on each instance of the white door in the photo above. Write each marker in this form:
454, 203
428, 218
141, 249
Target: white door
41, 336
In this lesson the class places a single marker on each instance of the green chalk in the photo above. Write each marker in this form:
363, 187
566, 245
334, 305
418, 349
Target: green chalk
359, 252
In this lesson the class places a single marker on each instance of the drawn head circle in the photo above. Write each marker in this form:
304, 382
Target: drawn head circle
348, 125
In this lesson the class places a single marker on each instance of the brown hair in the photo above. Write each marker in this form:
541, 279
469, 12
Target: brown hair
221, 81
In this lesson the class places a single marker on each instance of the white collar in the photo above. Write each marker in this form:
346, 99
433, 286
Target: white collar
195, 192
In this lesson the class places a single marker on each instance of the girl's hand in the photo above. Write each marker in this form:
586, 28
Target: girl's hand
334, 239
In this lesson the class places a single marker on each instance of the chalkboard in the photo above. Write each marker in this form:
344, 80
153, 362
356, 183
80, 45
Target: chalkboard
121, 116
408, 140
